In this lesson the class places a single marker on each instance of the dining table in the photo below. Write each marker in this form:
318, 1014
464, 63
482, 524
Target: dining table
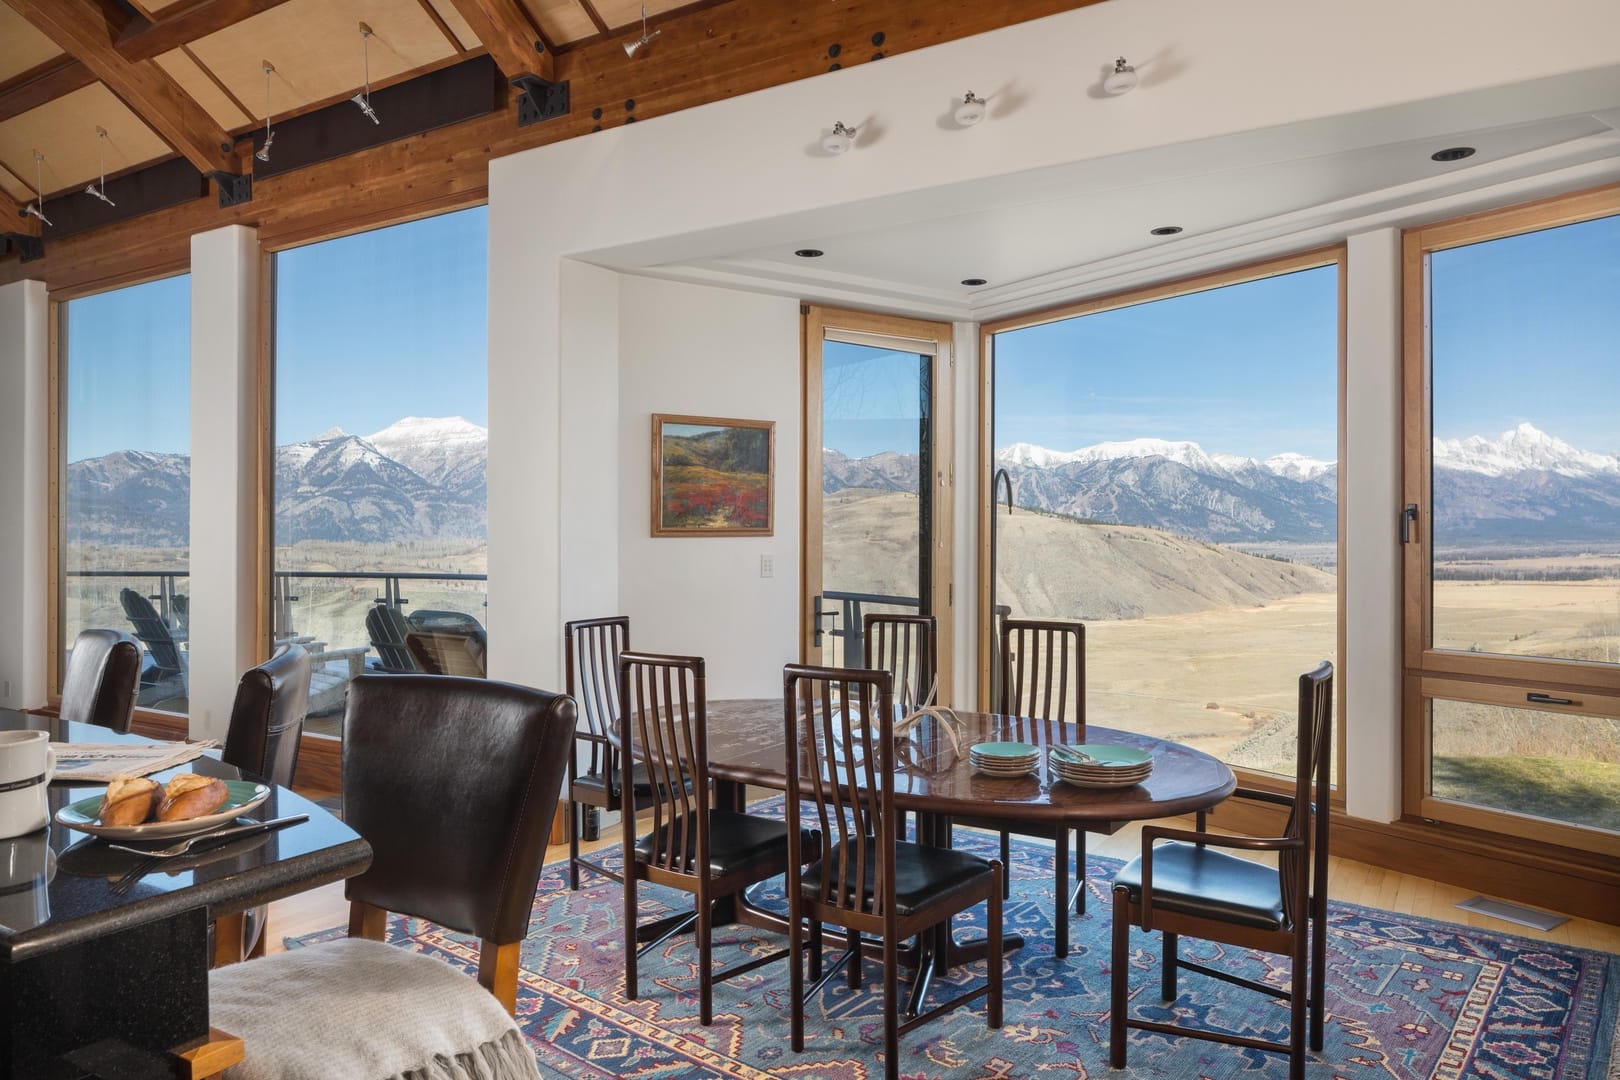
935, 779
104, 956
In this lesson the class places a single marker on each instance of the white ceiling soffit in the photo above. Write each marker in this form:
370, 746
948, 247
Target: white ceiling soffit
1082, 229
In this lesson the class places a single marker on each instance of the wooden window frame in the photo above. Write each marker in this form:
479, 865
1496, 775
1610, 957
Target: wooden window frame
1451, 674
1237, 275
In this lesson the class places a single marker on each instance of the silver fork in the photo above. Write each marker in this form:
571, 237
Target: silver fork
151, 858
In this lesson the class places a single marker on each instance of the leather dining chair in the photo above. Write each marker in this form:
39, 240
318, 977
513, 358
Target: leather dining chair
709, 851
1190, 885
1040, 658
267, 724
878, 888
453, 782
103, 676
591, 650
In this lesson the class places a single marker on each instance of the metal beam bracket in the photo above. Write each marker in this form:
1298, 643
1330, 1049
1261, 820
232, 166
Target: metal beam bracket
540, 99
28, 247
233, 189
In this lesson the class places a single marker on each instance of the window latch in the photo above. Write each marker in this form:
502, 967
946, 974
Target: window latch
1408, 522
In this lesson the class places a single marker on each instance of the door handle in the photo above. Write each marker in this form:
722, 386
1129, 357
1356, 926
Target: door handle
1409, 518
820, 615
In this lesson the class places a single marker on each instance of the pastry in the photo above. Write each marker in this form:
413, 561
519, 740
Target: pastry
191, 796
130, 800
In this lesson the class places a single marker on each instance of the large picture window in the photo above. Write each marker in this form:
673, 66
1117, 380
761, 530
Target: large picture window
1165, 470
125, 386
381, 402
1513, 475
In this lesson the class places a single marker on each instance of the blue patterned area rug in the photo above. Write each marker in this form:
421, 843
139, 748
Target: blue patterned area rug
1408, 998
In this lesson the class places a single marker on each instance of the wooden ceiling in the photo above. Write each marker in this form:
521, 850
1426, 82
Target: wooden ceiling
168, 77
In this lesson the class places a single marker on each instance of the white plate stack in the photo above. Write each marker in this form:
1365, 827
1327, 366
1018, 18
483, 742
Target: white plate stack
1100, 766
1004, 759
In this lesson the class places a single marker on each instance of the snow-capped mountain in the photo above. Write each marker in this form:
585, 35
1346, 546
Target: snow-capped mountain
1525, 448
1190, 454
450, 451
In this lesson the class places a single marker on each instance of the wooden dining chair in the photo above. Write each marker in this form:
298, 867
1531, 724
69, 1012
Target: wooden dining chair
453, 782
1043, 683
694, 846
839, 732
591, 672
103, 676
907, 647
1190, 885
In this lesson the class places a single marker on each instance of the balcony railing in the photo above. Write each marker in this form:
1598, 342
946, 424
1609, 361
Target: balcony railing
849, 648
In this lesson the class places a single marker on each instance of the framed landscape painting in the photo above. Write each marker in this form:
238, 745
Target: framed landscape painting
712, 476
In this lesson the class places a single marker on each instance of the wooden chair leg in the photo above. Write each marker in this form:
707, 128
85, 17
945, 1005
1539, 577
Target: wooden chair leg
576, 814
796, 962
1117, 972
993, 960
1318, 976
210, 1058
1006, 862
891, 1007
1297, 1009
1168, 968
367, 921
1060, 912
497, 971
705, 940
229, 931
629, 933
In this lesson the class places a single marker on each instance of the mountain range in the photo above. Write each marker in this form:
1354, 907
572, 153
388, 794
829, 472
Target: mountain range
425, 478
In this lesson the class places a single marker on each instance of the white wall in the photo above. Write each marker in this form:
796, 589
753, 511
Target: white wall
692, 350
224, 471
589, 433
24, 493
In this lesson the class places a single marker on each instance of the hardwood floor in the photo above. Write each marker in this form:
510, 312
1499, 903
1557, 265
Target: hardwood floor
1350, 882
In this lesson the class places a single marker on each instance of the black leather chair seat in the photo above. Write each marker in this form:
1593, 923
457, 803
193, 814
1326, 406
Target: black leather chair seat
1206, 882
736, 842
922, 875
610, 784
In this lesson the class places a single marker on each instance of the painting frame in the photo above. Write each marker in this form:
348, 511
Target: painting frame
690, 497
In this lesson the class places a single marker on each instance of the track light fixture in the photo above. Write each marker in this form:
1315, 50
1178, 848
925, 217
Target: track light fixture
839, 139
1122, 80
363, 99
269, 135
100, 191
632, 47
970, 111
37, 207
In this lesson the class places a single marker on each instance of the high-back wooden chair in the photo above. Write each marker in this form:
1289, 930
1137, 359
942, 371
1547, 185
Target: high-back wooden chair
1191, 885
694, 846
839, 731
1043, 683
591, 650
453, 782
907, 647
103, 673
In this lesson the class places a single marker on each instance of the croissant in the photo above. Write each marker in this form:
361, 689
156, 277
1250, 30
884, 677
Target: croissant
191, 796
130, 800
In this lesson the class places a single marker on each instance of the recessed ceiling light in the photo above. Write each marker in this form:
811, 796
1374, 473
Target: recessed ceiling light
974, 281
1165, 230
1452, 153
809, 253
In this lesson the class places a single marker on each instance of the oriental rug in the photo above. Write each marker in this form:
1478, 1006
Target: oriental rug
1408, 998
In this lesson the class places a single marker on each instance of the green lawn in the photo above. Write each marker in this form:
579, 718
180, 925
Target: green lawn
1561, 789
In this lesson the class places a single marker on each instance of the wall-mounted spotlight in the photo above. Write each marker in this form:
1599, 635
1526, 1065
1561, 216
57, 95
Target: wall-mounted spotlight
269, 136
37, 207
363, 99
632, 47
839, 139
970, 111
1122, 80
100, 191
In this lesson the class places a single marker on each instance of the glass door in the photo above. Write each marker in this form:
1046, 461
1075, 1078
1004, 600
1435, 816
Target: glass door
874, 494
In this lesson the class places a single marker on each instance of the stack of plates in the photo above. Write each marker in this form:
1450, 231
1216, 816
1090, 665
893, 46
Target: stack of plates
1004, 758
1100, 766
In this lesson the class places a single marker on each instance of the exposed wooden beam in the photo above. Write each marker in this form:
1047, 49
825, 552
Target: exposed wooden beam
40, 84
86, 29
142, 40
595, 16
507, 32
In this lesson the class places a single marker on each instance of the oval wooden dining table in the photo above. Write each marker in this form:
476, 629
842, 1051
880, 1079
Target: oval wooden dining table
936, 781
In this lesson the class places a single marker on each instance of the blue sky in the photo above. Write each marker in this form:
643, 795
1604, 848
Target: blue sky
871, 399
128, 370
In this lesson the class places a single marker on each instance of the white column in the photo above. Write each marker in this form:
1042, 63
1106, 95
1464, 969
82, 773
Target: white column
964, 381
1371, 665
24, 493
224, 470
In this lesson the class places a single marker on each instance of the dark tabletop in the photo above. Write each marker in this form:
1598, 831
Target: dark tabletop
747, 737
76, 903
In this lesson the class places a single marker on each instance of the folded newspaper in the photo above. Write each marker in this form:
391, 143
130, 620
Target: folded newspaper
99, 763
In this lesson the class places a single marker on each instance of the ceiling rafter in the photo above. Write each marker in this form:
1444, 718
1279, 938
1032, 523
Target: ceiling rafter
594, 15
41, 84
510, 36
143, 40
86, 30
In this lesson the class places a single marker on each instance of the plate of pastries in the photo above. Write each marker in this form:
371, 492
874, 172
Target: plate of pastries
137, 808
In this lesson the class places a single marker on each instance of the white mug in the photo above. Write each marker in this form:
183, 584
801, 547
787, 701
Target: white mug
27, 865
26, 767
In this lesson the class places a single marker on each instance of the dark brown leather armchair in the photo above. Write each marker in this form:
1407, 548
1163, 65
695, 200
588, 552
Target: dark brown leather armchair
267, 719
103, 676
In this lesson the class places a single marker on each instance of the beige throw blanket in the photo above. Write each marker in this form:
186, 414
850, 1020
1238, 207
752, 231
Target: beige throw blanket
362, 1010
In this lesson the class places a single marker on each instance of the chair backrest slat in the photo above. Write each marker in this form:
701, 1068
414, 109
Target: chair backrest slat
663, 726
591, 664
907, 647
1305, 867
1043, 670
